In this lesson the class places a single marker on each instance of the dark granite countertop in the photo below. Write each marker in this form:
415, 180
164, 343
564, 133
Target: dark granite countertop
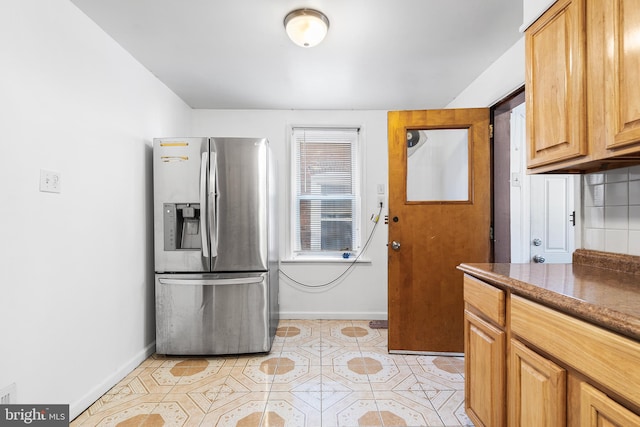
605, 297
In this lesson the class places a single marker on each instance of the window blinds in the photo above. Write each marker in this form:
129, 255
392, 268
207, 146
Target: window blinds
326, 189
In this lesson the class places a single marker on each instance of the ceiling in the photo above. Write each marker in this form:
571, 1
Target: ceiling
379, 54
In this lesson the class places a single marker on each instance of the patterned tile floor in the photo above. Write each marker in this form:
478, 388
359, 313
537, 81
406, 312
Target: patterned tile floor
320, 373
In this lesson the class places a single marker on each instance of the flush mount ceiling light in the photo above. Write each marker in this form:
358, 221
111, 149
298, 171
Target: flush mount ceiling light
306, 27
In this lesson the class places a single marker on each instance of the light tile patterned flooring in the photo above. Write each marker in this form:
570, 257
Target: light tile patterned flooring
320, 373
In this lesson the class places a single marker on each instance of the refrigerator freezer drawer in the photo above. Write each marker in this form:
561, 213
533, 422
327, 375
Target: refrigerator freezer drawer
217, 282
213, 314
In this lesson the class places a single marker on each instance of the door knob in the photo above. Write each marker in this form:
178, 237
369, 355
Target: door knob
537, 242
539, 259
395, 245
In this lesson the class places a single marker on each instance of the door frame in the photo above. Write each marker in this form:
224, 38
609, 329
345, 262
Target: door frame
515, 186
501, 179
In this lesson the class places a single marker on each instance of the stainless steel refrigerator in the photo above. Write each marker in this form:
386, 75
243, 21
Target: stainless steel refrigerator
216, 251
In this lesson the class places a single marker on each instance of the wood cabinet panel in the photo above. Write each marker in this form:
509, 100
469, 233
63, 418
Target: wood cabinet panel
485, 372
613, 42
556, 85
598, 410
583, 86
537, 389
487, 299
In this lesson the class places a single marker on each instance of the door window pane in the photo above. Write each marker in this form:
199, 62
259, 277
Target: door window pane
437, 165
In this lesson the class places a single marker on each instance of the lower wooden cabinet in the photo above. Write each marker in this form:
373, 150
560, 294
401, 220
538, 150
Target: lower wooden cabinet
556, 370
484, 372
597, 410
537, 389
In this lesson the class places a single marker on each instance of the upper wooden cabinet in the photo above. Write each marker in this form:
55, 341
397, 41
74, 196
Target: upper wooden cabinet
555, 84
532, 9
614, 71
583, 86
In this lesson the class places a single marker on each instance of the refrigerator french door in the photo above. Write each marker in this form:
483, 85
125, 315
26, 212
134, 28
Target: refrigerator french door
215, 247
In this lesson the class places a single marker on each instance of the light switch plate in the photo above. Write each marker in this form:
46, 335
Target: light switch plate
515, 179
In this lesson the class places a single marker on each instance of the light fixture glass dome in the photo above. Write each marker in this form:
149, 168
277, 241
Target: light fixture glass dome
306, 27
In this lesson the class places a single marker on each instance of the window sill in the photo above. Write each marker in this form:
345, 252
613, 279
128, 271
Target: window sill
325, 260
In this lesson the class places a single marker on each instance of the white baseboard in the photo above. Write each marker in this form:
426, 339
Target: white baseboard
326, 315
79, 406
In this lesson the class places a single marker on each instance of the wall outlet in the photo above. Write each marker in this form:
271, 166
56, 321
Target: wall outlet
380, 201
50, 181
8, 395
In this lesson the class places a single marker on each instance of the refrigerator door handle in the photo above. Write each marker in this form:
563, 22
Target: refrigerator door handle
203, 205
212, 207
211, 282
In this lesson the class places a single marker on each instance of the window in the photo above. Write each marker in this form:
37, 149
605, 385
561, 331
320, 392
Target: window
326, 191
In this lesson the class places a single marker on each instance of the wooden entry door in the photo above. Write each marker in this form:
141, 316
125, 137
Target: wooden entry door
439, 217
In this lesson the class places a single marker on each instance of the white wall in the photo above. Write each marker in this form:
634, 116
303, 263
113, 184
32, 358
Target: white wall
76, 296
502, 77
362, 293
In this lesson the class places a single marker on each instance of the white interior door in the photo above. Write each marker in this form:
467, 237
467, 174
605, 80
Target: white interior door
544, 208
553, 218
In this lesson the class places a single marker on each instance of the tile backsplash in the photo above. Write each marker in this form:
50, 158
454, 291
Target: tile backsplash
611, 211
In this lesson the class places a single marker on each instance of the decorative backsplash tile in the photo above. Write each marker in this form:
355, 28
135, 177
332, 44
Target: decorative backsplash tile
616, 175
611, 211
616, 217
616, 193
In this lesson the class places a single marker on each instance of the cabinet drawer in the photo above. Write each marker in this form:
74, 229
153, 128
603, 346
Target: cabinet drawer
486, 298
608, 358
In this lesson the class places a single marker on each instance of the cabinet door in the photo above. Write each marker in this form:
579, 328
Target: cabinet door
555, 81
621, 19
485, 370
597, 410
537, 389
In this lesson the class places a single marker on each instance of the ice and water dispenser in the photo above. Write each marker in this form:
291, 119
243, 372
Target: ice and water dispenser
182, 226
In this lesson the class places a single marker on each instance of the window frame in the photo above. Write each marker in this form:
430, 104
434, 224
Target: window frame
357, 222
